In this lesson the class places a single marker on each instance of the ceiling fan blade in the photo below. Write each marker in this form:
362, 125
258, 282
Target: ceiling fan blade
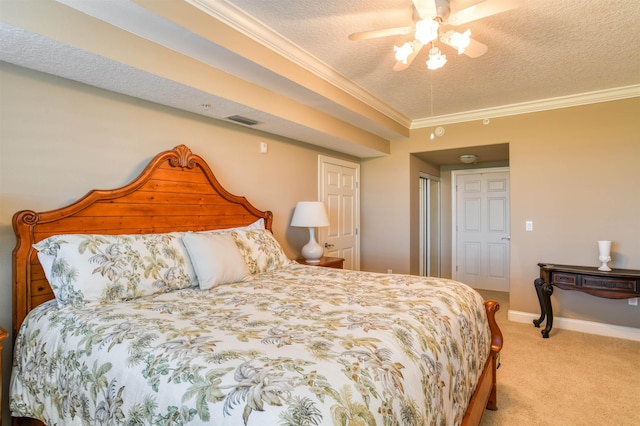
456, 40
399, 66
475, 49
364, 35
425, 8
482, 10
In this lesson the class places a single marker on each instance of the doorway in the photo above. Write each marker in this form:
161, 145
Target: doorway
481, 228
429, 225
339, 190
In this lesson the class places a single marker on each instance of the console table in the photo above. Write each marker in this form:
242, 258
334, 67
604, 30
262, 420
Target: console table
615, 284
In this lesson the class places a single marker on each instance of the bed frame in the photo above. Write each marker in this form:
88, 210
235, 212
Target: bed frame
176, 192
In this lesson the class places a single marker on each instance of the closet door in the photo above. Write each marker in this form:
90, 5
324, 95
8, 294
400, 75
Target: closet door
482, 229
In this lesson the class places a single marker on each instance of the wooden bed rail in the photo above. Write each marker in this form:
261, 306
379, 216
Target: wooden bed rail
491, 306
485, 395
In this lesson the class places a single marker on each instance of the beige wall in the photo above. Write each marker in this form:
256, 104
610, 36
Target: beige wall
60, 139
384, 200
573, 172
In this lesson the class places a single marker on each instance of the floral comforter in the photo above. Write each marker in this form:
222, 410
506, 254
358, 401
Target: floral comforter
299, 346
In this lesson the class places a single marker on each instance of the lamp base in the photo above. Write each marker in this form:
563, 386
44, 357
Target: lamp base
312, 251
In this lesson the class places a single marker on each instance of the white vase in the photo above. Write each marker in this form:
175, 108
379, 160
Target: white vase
605, 255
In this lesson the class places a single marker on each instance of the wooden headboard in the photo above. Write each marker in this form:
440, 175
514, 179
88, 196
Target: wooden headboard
176, 192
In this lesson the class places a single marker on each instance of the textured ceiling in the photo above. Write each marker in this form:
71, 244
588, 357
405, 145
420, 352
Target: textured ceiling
543, 49
544, 54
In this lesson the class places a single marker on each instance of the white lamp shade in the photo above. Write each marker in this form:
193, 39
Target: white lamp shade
310, 214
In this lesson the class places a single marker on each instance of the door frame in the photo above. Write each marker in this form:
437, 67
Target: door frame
454, 209
350, 164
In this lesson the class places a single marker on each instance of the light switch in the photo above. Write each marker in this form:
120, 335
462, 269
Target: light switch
263, 147
528, 225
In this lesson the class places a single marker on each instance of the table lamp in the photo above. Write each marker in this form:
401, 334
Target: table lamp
311, 214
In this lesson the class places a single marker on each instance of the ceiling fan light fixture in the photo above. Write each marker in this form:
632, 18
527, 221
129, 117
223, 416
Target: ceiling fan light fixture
429, 17
468, 158
403, 52
436, 59
457, 40
426, 30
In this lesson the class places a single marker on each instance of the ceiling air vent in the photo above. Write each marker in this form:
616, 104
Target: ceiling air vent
242, 120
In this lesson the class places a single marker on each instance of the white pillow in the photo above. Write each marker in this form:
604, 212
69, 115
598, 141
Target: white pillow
90, 267
46, 260
215, 258
258, 224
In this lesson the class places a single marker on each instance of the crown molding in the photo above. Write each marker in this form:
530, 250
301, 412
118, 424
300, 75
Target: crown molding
246, 24
532, 106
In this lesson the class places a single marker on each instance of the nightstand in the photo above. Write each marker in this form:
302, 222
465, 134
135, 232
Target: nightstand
325, 261
3, 335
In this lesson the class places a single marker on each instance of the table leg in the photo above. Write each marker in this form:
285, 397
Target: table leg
547, 291
538, 283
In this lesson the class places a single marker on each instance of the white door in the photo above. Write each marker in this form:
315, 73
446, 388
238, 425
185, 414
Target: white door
338, 187
481, 252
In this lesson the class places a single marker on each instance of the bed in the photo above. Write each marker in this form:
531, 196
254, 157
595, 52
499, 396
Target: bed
169, 301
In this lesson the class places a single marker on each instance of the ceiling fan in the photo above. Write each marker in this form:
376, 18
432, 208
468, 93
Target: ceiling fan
433, 20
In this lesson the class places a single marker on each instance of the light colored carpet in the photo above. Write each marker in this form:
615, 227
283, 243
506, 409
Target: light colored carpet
569, 379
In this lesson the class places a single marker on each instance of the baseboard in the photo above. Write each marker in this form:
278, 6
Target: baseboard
590, 327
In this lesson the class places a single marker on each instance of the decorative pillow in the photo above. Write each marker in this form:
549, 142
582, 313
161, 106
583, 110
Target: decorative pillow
104, 268
215, 258
261, 251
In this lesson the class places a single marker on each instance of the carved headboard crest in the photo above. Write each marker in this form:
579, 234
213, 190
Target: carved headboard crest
183, 157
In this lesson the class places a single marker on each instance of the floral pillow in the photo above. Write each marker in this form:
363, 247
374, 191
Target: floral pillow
88, 267
260, 249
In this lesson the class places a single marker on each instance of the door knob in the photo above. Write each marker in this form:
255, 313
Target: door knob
327, 245
508, 238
